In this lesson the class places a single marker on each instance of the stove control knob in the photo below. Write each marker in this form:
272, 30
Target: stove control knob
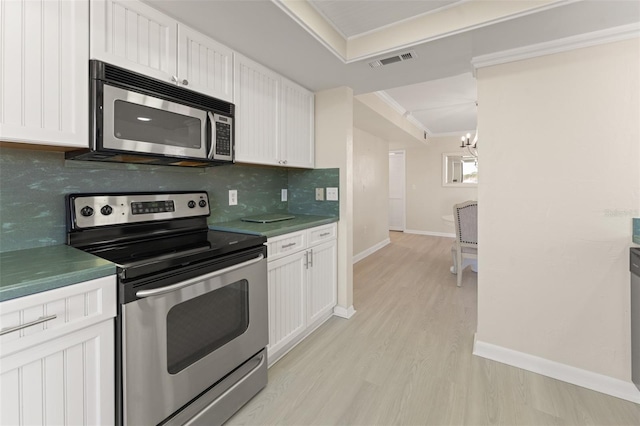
191, 204
202, 203
106, 210
86, 211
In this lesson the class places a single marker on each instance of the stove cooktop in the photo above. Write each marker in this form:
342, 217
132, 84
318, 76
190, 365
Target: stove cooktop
143, 257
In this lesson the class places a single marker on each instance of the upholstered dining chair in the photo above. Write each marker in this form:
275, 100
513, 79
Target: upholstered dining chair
465, 218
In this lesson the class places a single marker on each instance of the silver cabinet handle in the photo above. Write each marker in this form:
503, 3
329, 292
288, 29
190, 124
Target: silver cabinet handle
185, 82
187, 283
28, 324
288, 245
174, 79
325, 234
311, 258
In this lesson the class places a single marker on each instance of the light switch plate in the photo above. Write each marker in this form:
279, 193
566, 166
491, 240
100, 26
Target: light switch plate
283, 195
332, 194
319, 194
233, 197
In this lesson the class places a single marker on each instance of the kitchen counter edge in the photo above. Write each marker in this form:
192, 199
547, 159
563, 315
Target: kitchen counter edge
269, 230
35, 270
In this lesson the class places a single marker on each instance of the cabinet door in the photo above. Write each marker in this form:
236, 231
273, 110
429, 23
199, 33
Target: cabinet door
135, 36
296, 125
65, 381
44, 72
257, 92
287, 301
205, 64
323, 280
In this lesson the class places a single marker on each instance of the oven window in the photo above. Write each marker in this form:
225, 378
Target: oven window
201, 325
142, 123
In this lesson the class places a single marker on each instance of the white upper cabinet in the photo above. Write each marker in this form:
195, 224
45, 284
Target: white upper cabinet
206, 64
296, 125
274, 117
256, 97
135, 36
44, 72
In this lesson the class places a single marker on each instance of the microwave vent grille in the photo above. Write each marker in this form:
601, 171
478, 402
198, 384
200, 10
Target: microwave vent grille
137, 81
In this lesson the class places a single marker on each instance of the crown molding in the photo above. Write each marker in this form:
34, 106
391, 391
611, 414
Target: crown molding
401, 110
610, 35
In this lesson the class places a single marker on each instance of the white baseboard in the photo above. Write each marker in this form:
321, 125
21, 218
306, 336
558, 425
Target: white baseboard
577, 376
275, 357
343, 312
433, 234
358, 257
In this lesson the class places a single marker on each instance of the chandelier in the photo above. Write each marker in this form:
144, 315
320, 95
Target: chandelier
471, 146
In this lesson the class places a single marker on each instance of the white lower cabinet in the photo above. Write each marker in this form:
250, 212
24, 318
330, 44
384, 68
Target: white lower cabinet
302, 285
61, 370
322, 286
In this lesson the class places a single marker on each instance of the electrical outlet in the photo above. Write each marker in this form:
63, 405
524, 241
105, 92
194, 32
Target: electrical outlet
233, 197
332, 194
319, 194
283, 195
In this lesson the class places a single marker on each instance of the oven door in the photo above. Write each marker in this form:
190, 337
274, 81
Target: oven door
179, 340
138, 123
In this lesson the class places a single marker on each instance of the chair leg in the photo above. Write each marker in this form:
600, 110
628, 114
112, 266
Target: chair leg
460, 268
454, 258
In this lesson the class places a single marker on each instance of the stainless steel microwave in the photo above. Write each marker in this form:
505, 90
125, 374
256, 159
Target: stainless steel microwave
137, 119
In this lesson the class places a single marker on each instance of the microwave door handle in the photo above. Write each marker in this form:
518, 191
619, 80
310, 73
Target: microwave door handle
187, 283
213, 135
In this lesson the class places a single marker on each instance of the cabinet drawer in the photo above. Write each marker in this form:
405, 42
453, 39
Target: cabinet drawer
322, 233
55, 313
286, 244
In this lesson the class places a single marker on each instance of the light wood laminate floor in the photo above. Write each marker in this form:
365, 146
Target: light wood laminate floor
405, 358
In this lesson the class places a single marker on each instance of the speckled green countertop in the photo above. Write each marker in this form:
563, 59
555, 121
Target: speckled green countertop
29, 271
298, 223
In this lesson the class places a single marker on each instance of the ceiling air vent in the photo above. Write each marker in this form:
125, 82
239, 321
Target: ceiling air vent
393, 59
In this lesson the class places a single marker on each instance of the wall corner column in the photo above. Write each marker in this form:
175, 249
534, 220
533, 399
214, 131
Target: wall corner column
334, 149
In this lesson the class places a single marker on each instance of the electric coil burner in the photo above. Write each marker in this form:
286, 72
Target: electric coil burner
191, 328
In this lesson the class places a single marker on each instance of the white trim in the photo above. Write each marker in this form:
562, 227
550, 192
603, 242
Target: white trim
577, 376
405, 20
457, 134
433, 234
382, 94
273, 358
312, 32
343, 312
409, 45
610, 35
365, 253
406, 114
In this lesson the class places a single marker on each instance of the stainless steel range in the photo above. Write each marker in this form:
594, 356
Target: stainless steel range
192, 318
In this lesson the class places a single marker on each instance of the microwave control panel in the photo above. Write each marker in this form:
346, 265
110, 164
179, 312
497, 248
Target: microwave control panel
224, 138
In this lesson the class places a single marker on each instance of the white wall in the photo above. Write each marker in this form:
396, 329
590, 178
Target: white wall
334, 148
370, 191
427, 199
560, 150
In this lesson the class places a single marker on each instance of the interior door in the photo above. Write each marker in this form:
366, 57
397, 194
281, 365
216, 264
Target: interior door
396, 191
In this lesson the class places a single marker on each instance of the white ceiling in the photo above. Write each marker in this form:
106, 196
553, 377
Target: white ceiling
436, 88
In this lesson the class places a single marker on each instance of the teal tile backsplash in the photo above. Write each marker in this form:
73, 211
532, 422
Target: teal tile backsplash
33, 185
302, 195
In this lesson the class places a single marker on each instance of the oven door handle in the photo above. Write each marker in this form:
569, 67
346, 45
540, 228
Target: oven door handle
187, 283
